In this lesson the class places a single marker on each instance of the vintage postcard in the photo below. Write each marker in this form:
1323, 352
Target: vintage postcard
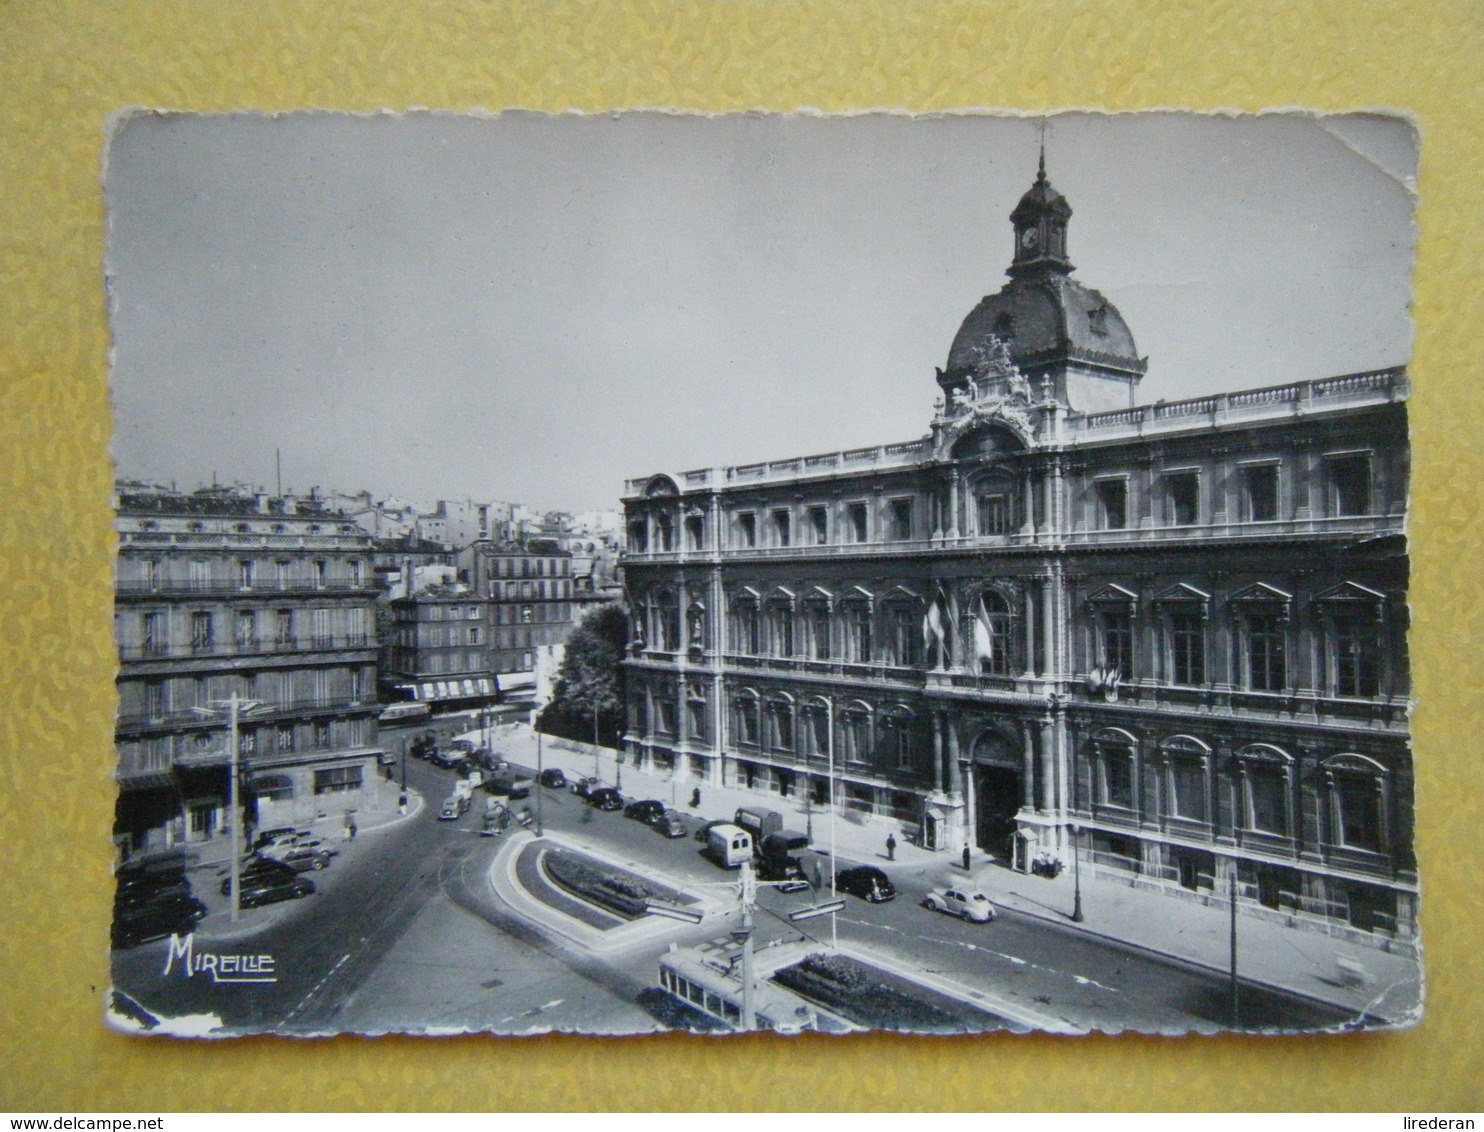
648, 572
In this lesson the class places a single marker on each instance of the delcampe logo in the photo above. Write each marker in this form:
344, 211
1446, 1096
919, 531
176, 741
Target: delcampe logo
221, 968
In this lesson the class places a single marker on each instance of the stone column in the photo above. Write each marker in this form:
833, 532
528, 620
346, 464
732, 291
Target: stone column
937, 752
1028, 768
953, 497
1048, 765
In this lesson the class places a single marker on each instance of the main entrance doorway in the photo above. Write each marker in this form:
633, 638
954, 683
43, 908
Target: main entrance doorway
997, 792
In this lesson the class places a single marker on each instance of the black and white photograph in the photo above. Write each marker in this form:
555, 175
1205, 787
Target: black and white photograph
613, 574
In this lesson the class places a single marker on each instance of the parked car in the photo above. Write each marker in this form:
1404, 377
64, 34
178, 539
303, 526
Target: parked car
647, 810
553, 778
283, 834
446, 759
866, 881
606, 798
966, 903
453, 807
259, 867
267, 888
143, 888
512, 782
671, 824
276, 850
155, 919
304, 858
582, 787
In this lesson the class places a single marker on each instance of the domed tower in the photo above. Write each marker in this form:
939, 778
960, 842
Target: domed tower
1053, 327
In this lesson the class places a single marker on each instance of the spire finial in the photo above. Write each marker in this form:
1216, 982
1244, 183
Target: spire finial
1041, 165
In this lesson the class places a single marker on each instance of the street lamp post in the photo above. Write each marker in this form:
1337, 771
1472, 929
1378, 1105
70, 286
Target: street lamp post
540, 769
235, 706
1076, 874
830, 709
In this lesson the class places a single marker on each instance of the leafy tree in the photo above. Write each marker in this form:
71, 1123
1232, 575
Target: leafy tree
588, 699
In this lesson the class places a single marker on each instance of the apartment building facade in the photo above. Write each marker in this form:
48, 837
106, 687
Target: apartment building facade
221, 594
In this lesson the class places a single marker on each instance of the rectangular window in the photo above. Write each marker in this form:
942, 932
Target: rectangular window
819, 525
1357, 656
1112, 497
337, 780
665, 716
993, 514
1182, 499
200, 575
783, 620
781, 528
1267, 662
1349, 483
906, 637
819, 633
319, 620
859, 622
322, 739
1118, 778
695, 532
474, 634
747, 528
247, 629
1269, 814
285, 738
155, 704
667, 538
859, 522
321, 573
246, 573
283, 635
1187, 648
1260, 493
638, 539
901, 519
697, 721
357, 573
1116, 641
1359, 812
747, 717
202, 632
152, 640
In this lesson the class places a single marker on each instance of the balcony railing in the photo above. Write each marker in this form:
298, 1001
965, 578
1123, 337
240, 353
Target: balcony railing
244, 647
178, 587
274, 712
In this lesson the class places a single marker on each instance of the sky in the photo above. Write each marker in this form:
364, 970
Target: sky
532, 308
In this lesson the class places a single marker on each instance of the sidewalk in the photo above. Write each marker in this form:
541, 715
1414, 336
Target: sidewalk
212, 860
1293, 959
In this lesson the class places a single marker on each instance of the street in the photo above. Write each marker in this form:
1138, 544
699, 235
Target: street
405, 933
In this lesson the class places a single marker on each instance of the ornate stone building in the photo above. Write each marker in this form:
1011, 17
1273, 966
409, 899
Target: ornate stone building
1167, 638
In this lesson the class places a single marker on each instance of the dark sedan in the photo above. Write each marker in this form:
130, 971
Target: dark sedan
155, 919
269, 889
553, 778
607, 799
648, 811
866, 881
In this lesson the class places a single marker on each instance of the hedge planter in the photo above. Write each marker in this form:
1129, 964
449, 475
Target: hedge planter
856, 991
620, 893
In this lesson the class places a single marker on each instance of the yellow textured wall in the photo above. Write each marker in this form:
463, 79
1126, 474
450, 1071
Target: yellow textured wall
68, 65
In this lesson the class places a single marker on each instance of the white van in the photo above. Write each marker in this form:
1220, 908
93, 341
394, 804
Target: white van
728, 845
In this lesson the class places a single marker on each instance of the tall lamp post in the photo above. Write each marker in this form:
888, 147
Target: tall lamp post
235, 706
1076, 831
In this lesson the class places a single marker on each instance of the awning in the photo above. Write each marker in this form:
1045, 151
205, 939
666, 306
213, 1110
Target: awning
436, 690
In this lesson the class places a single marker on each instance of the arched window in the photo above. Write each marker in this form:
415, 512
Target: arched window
665, 531
817, 624
780, 722
745, 718
1115, 766
1357, 789
1187, 778
896, 737
1265, 790
855, 733
814, 734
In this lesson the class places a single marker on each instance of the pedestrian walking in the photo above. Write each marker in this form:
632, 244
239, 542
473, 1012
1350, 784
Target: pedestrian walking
402, 804
350, 828
891, 847
695, 798
966, 858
